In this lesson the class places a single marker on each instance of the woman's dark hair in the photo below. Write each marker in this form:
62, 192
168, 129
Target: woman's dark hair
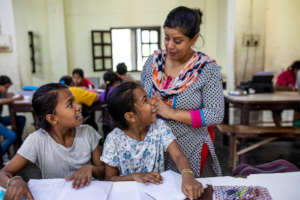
67, 80
79, 72
121, 68
44, 102
110, 78
4, 80
295, 65
186, 19
120, 101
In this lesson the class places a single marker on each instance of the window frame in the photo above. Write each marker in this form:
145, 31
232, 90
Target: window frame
102, 45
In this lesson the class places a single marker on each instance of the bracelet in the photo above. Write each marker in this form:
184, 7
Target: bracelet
11, 179
187, 171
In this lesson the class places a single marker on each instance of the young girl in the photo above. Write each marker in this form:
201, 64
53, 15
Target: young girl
135, 150
111, 81
61, 148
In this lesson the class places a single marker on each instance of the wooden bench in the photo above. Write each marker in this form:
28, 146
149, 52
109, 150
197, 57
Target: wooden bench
267, 134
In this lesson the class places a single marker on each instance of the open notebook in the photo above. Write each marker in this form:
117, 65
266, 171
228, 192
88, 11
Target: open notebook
59, 189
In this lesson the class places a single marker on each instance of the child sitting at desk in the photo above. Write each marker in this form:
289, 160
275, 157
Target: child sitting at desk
6, 98
61, 148
111, 81
135, 150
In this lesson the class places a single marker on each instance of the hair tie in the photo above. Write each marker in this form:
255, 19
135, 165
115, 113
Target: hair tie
107, 82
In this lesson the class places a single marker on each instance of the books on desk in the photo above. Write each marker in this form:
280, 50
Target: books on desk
59, 189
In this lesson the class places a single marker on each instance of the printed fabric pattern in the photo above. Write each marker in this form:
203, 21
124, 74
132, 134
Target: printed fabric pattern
132, 156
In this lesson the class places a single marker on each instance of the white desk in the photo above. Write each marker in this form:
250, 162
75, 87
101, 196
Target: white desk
282, 186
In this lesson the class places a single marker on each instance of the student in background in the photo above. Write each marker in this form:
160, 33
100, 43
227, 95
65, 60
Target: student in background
286, 81
61, 148
122, 72
135, 150
111, 80
84, 98
80, 81
6, 98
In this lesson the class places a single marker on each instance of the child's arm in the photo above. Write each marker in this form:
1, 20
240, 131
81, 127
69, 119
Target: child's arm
16, 187
190, 187
98, 167
112, 174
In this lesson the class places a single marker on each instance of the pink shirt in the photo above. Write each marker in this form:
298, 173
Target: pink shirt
286, 78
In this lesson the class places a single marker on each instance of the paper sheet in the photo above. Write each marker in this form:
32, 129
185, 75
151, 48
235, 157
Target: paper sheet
49, 189
169, 189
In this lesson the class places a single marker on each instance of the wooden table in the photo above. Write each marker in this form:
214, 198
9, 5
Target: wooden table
19, 106
276, 102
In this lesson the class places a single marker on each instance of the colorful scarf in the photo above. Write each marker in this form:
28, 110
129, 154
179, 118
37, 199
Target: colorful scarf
186, 77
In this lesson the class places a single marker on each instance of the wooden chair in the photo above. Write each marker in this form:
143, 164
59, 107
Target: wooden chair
267, 134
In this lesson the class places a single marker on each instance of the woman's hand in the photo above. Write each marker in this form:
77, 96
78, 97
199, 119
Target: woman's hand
162, 108
18, 189
151, 177
190, 187
81, 177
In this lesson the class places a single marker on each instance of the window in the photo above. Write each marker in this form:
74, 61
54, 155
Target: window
129, 45
102, 50
134, 45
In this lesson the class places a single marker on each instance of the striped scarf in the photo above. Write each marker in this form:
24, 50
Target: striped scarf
186, 77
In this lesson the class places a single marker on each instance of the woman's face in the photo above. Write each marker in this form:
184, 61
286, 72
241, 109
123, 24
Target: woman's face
67, 111
178, 46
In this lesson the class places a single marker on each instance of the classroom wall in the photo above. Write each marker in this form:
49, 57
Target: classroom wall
62, 30
9, 64
282, 34
95, 14
250, 19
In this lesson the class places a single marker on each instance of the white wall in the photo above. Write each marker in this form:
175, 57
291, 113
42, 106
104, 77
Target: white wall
250, 19
9, 64
102, 15
282, 34
63, 30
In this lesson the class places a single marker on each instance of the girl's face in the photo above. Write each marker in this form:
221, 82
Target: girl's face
143, 108
67, 112
178, 46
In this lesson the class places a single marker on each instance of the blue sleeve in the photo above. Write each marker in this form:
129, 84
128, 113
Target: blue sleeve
110, 154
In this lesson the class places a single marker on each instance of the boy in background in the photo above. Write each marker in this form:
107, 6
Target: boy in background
6, 98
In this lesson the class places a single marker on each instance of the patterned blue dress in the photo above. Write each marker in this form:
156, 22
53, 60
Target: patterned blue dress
132, 156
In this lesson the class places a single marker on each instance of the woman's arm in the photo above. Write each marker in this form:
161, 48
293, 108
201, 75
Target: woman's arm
190, 187
212, 111
112, 174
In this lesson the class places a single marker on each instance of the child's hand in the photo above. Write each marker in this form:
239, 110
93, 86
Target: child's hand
18, 189
161, 107
81, 177
151, 177
190, 187
17, 97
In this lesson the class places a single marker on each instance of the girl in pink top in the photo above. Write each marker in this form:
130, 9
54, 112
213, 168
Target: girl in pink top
287, 79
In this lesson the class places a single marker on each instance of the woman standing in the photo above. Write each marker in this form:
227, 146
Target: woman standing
187, 86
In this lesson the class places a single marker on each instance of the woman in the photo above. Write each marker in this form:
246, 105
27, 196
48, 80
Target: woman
187, 86
286, 81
